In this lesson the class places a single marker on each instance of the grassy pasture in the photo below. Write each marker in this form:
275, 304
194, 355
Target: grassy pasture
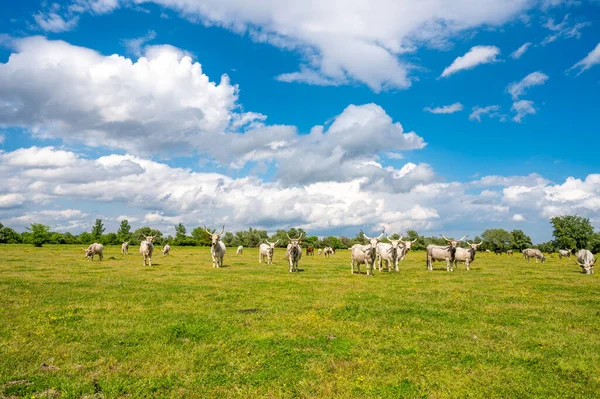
506, 329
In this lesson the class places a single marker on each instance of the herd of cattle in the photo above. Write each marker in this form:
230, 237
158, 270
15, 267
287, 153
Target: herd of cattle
375, 252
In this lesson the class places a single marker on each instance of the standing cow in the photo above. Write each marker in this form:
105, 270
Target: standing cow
293, 252
533, 253
217, 248
564, 253
466, 255
166, 249
125, 248
509, 252
94, 249
146, 249
310, 251
266, 251
366, 254
586, 260
442, 252
389, 253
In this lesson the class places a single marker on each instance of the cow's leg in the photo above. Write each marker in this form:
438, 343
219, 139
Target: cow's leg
468, 263
368, 267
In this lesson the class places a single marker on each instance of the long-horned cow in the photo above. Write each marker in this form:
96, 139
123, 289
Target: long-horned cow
166, 249
217, 248
533, 253
586, 260
94, 249
442, 252
266, 251
564, 253
405, 247
125, 248
239, 251
293, 252
466, 255
366, 254
389, 253
146, 249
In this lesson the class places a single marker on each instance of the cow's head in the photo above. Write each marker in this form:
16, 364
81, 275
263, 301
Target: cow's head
474, 246
373, 241
149, 239
126, 243
453, 242
395, 243
587, 267
408, 244
214, 237
295, 244
88, 252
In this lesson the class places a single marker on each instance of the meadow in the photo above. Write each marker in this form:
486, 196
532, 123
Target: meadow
111, 329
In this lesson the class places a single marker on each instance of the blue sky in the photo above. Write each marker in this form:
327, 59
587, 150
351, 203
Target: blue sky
361, 78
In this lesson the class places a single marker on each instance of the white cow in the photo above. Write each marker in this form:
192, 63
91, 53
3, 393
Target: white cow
319, 251
146, 249
166, 249
586, 260
564, 253
327, 252
389, 253
442, 252
405, 247
293, 252
466, 255
533, 253
94, 249
217, 248
239, 251
266, 251
125, 248
366, 254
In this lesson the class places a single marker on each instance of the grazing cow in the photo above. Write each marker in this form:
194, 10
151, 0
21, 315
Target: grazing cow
586, 260
498, 251
328, 251
564, 253
217, 248
390, 253
239, 251
310, 251
125, 248
509, 252
442, 252
266, 250
488, 251
319, 251
146, 249
366, 254
533, 253
466, 255
94, 249
405, 247
293, 252
166, 249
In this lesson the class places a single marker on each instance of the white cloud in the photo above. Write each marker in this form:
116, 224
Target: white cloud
478, 112
522, 108
520, 51
446, 109
53, 22
475, 56
516, 89
593, 58
11, 200
563, 30
135, 46
517, 217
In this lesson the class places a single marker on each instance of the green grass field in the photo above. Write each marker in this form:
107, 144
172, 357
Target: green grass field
506, 329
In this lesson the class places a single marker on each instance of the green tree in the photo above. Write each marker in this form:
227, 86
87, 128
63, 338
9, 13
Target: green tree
332, 242
200, 236
594, 244
56, 238
9, 236
520, 240
345, 242
39, 234
180, 232
98, 230
124, 233
571, 232
140, 234
110, 239
85, 238
69, 238
547, 247
496, 239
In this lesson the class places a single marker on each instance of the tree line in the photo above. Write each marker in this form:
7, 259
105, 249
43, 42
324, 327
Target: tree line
569, 232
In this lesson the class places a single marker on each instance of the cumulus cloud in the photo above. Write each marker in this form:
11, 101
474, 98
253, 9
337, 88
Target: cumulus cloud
520, 51
522, 108
517, 217
593, 58
478, 112
475, 56
53, 22
517, 89
135, 46
446, 109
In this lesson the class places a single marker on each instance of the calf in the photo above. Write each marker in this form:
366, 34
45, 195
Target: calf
125, 248
239, 251
310, 251
166, 249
